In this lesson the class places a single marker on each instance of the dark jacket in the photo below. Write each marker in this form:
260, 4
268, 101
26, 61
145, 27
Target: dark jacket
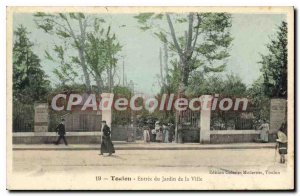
60, 129
106, 131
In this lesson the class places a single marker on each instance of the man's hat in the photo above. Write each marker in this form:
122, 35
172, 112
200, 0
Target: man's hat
281, 137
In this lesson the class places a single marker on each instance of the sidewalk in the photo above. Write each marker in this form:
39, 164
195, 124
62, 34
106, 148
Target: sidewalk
143, 146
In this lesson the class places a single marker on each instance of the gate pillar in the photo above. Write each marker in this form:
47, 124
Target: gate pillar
41, 117
106, 107
205, 113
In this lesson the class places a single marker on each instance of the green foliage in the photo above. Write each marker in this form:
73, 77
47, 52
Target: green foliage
63, 34
202, 47
71, 29
161, 36
220, 68
173, 79
30, 82
230, 86
259, 100
122, 117
101, 52
85, 44
273, 81
274, 65
144, 17
181, 20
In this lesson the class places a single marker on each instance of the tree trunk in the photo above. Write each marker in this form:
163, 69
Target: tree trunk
99, 83
166, 59
85, 71
162, 80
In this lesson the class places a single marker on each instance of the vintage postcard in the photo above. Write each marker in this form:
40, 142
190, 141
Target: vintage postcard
150, 98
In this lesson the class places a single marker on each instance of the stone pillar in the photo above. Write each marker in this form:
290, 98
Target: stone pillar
41, 117
106, 107
205, 113
277, 114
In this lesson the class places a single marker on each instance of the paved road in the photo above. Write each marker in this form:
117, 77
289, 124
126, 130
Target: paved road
32, 161
81, 169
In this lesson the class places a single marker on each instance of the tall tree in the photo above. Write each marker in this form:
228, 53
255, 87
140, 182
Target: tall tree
204, 44
30, 82
274, 64
72, 31
102, 56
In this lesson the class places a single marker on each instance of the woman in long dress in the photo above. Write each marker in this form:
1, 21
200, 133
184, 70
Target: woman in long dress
146, 135
166, 133
159, 133
264, 134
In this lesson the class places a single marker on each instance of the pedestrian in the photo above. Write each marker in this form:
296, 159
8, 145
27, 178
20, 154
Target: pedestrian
146, 134
281, 145
166, 133
159, 132
153, 135
171, 132
106, 144
264, 134
61, 131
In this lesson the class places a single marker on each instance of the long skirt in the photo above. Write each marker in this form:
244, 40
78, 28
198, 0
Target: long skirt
107, 146
166, 138
153, 137
159, 136
264, 136
146, 136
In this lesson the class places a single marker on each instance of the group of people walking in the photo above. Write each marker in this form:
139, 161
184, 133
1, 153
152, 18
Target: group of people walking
161, 133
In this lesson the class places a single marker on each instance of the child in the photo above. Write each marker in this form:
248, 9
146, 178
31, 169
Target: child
281, 145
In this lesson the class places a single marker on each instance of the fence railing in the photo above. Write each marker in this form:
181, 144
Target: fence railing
23, 117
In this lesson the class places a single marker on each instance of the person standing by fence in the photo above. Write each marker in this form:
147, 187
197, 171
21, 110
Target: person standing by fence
159, 132
146, 134
165, 133
264, 134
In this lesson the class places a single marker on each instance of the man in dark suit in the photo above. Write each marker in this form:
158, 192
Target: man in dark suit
106, 145
60, 129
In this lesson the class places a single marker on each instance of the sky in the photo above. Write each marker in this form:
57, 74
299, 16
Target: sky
251, 33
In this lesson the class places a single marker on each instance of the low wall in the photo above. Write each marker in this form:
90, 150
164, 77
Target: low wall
189, 136
122, 133
51, 137
93, 137
236, 136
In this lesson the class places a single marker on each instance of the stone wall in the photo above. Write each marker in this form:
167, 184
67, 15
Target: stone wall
121, 134
51, 137
117, 134
237, 136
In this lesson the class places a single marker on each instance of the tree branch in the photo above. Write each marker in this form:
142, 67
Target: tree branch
197, 34
190, 33
179, 50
